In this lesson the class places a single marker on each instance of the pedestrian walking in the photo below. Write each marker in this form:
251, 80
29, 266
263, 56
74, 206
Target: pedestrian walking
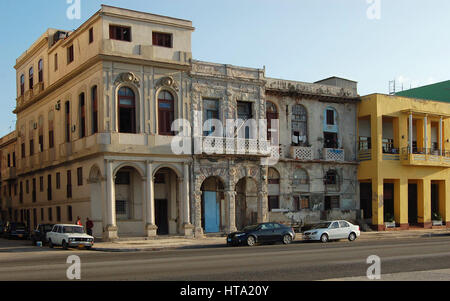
89, 226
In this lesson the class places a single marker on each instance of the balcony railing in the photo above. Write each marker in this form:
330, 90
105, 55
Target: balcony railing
425, 156
223, 145
333, 154
302, 153
365, 155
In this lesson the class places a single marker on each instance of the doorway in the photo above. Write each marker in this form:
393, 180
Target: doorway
161, 217
211, 212
330, 140
412, 203
365, 192
434, 199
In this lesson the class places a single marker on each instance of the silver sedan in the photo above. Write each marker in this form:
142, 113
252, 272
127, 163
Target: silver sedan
333, 230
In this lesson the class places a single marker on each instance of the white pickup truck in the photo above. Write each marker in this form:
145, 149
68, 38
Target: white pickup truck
69, 236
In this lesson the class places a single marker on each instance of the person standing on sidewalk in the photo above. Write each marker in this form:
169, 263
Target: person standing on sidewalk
89, 226
78, 223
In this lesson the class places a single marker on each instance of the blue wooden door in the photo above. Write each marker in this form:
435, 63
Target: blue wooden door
212, 212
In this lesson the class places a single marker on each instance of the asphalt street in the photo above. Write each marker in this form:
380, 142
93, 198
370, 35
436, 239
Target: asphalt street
295, 262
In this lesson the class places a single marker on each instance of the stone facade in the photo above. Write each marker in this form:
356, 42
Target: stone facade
90, 141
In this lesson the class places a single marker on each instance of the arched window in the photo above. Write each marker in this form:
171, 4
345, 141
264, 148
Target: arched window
300, 177
271, 114
22, 84
82, 112
166, 113
274, 176
41, 71
299, 126
127, 111
30, 78
94, 108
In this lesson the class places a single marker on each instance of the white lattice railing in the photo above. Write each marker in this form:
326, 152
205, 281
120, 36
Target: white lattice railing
220, 145
302, 153
331, 154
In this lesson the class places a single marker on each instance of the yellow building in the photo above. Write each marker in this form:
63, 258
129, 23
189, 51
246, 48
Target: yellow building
404, 162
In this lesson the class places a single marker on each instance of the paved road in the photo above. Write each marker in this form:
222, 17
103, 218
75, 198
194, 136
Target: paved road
298, 261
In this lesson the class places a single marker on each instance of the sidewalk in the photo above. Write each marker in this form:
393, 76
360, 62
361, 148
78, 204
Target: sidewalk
179, 242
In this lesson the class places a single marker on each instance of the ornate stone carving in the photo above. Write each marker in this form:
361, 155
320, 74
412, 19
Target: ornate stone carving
168, 82
127, 77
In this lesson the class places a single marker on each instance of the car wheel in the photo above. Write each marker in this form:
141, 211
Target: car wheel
352, 236
50, 244
64, 245
251, 241
287, 239
324, 238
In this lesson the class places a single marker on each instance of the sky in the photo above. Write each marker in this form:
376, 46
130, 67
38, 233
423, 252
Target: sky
368, 41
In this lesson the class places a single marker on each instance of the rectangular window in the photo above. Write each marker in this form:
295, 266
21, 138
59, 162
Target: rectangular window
91, 35
58, 180
94, 110
42, 214
67, 121
162, 39
210, 112
33, 192
21, 192
56, 61
49, 187
41, 143
120, 33
69, 213
23, 150
330, 117
58, 214
69, 184
80, 176
14, 159
82, 116
15, 189
331, 202
31, 147
50, 214
9, 160
274, 202
70, 54
41, 184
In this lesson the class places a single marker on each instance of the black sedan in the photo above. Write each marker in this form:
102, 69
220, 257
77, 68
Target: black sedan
16, 230
262, 233
40, 233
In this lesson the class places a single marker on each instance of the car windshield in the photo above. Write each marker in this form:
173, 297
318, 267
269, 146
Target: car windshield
19, 226
250, 228
321, 226
73, 229
47, 228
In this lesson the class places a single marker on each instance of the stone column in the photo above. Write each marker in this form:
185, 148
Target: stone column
150, 226
263, 215
198, 214
440, 137
111, 227
188, 227
230, 197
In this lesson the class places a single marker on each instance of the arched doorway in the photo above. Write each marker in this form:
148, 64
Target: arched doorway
129, 197
213, 205
246, 202
167, 202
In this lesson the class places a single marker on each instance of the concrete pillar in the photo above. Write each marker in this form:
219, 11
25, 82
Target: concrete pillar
424, 203
377, 204
410, 133
230, 197
185, 203
198, 214
111, 226
150, 225
440, 137
401, 202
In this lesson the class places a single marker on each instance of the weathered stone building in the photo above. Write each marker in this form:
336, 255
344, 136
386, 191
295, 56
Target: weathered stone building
95, 136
